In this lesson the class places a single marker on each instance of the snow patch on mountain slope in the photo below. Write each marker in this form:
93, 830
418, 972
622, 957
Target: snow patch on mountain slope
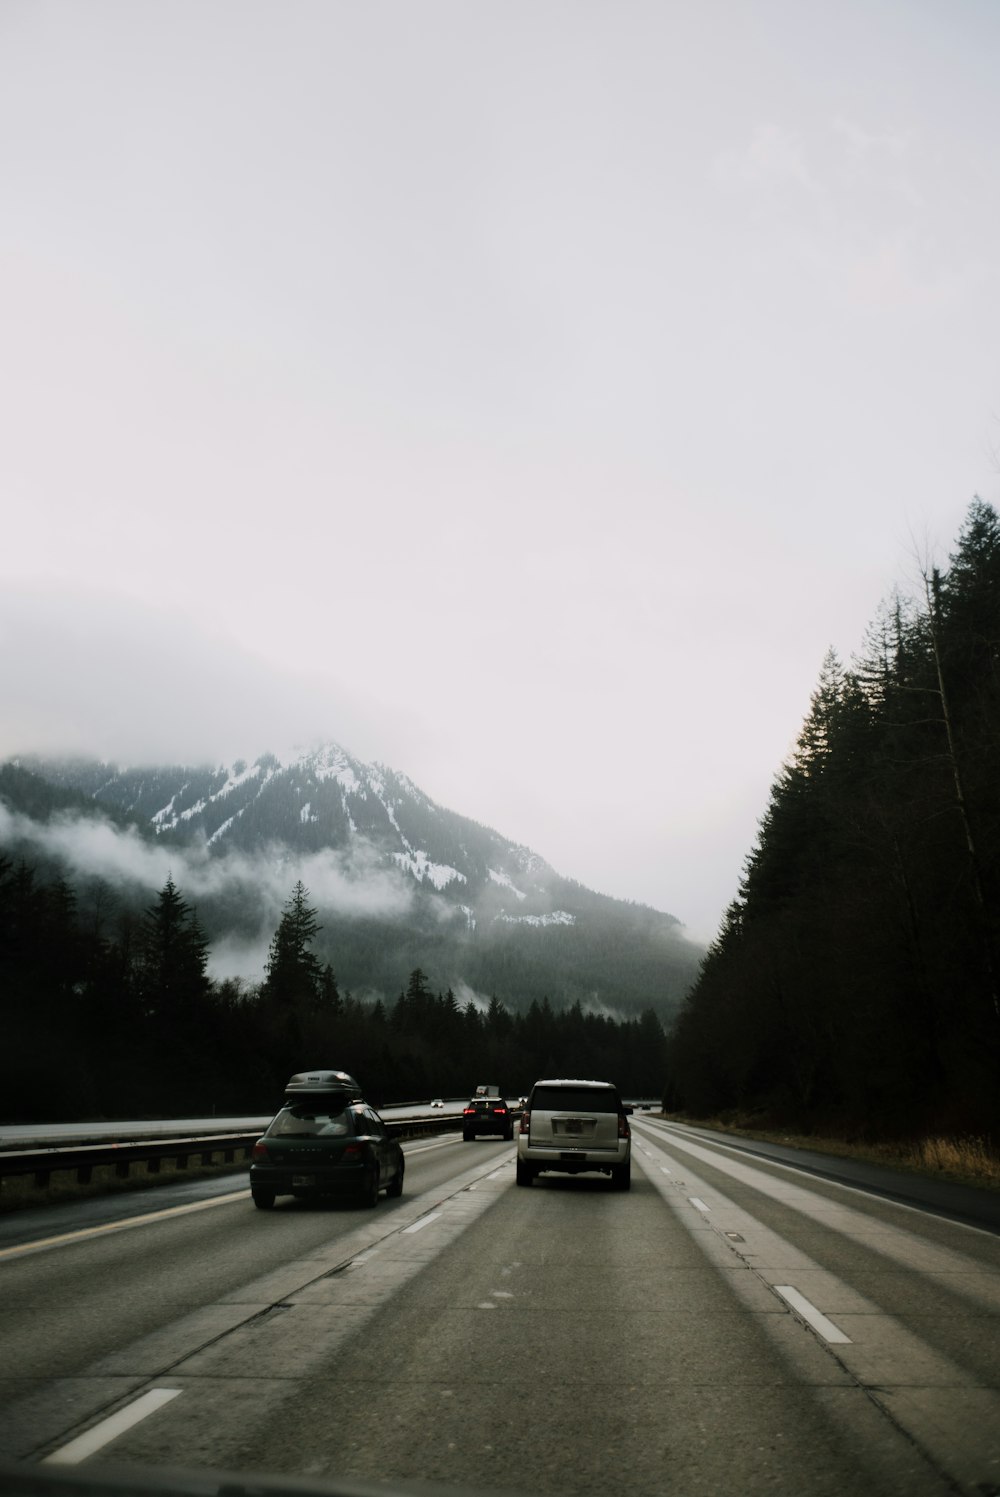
421, 867
503, 880
557, 917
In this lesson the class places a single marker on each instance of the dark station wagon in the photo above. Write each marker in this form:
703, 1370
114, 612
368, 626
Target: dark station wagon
325, 1141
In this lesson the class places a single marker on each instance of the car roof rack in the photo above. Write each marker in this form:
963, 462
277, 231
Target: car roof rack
322, 1084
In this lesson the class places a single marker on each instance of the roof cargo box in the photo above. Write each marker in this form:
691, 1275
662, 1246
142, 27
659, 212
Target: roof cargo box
322, 1084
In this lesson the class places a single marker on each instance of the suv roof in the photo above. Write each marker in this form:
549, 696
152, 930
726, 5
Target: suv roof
573, 1081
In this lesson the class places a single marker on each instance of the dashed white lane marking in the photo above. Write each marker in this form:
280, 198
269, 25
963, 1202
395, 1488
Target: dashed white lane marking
663, 1167
698, 1203
419, 1226
109, 1429
130, 1221
812, 1316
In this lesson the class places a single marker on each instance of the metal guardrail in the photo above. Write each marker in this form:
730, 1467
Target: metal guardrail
82, 1159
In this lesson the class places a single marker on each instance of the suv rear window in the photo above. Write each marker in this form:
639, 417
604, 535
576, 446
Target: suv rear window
575, 1099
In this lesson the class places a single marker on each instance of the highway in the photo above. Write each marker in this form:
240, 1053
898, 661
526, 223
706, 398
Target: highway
731, 1323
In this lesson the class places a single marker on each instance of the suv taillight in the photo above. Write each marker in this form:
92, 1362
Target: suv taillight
259, 1154
525, 1122
468, 1112
624, 1131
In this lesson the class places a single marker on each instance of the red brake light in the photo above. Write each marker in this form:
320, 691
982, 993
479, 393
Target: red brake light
353, 1151
525, 1122
259, 1151
467, 1110
500, 1111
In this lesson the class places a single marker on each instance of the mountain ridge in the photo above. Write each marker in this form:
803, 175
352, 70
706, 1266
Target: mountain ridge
398, 878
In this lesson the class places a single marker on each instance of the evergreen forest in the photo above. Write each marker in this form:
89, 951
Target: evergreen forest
854, 986
109, 1013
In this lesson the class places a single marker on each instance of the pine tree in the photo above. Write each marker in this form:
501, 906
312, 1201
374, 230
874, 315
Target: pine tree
173, 957
293, 974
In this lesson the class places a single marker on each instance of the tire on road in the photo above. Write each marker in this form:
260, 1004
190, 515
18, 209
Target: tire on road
621, 1176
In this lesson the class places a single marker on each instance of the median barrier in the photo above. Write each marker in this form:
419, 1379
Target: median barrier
74, 1164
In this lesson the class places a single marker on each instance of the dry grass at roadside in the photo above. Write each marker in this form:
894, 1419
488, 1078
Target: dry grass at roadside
968, 1160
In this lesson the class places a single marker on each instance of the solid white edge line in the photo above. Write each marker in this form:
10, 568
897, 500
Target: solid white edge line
871, 1193
426, 1148
698, 1203
83, 1233
109, 1429
424, 1221
814, 1317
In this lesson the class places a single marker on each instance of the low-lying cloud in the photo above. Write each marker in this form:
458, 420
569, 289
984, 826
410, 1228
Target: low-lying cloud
351, 882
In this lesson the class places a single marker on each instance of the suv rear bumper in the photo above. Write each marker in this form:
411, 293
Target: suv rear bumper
574, 1161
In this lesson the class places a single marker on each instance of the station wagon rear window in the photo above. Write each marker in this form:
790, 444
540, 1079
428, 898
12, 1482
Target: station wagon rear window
303, 1122
574, 1099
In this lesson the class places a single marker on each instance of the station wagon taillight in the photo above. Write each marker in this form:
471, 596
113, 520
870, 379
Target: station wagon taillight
259, 1152
353, 1151
468, 1111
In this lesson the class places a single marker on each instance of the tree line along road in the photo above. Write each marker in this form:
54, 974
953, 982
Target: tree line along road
728, 1324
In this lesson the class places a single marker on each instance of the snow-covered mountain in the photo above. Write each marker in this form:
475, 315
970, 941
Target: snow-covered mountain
398, 880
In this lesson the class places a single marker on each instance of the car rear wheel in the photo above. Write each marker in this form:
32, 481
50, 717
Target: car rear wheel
525, 1174
369, 1195
396, 1188
262, 1199
621, 1176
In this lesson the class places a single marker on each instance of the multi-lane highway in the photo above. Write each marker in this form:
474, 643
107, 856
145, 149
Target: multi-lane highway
730, 1324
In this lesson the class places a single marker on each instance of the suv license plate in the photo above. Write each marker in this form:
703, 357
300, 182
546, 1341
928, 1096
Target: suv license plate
303, 1180
573, 1125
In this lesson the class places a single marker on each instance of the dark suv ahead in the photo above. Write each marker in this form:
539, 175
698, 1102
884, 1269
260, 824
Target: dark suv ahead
486, 1115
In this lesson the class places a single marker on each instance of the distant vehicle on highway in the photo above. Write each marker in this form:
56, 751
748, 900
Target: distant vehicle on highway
571, 1126
436, 1102
487, 1091
486, 1115
325, 1141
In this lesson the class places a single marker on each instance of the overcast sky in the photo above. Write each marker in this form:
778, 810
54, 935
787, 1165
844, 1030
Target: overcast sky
524, 394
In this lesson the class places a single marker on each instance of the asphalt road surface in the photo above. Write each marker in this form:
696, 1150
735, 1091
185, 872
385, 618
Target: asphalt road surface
729, 1325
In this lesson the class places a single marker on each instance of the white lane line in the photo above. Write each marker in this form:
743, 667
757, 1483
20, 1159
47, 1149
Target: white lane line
109, 1429
697, 1202
663, 1167
814, 1317
128, 1221
419, 1226
426, 1148
497, 1173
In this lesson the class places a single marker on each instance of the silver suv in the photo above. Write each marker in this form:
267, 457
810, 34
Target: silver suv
572, 1126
